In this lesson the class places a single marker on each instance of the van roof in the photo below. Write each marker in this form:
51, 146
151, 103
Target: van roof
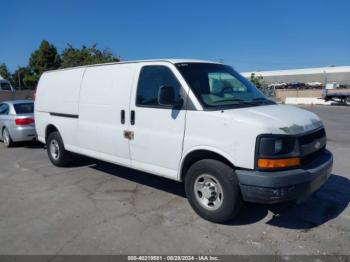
171, 60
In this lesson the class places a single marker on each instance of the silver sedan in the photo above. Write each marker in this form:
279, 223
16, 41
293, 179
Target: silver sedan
17, 121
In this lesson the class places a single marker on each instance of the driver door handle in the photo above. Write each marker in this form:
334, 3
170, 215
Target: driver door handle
132, 117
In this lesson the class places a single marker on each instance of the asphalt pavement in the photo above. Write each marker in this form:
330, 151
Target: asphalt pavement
98, 208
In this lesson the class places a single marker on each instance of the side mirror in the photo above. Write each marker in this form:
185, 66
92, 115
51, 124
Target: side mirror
166, 97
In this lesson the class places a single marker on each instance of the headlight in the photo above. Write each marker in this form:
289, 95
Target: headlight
277, 151
278, 146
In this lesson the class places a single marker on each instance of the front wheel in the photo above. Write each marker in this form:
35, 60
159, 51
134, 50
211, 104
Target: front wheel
212, 189
58, 155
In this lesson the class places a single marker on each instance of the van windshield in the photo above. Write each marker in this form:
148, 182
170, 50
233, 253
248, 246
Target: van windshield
218, 86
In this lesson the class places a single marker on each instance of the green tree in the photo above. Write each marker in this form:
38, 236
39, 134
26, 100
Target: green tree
257, 80
24, 78
5, 72
72, 56
44, 58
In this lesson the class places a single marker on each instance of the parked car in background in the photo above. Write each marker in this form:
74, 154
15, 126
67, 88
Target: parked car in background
7, 92
5, 86
314, 84
278, 85
295, 85
17, 121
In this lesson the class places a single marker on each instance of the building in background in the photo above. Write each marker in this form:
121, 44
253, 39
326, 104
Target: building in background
307, 77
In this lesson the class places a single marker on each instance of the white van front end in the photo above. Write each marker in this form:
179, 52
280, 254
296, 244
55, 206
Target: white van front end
278, 152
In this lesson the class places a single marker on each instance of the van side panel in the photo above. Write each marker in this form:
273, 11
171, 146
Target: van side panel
56, 103
59, 91
105, 93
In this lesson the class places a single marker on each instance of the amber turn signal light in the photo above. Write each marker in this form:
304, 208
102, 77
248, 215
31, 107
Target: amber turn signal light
278, 163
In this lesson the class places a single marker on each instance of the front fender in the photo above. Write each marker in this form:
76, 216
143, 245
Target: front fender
198, 148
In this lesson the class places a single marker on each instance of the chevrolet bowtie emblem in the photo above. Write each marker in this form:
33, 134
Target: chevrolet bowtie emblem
317, 144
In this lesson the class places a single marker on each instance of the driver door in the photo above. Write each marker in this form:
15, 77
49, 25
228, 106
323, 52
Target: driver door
158, 131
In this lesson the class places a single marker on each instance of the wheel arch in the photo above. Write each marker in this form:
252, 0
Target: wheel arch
49, 129
5, 125
2, 130
197, 154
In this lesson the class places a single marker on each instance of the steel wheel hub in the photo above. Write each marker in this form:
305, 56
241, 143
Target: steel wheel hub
54, 149
208, 192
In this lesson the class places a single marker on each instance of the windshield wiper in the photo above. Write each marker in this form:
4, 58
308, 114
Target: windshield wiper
259, 98
253, 102
239, 102
229, 100
262, 99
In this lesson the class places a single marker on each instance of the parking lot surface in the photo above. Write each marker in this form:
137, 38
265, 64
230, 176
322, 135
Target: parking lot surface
100, 208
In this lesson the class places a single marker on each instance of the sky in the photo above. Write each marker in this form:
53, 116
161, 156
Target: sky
249, 35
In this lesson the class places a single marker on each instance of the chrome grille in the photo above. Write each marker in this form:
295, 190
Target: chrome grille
312, 145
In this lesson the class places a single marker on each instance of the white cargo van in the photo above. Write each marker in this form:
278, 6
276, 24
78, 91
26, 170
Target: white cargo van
193, 121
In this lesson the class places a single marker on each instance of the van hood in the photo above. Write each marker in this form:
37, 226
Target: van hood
280, 119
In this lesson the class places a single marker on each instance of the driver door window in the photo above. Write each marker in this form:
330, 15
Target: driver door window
150, 80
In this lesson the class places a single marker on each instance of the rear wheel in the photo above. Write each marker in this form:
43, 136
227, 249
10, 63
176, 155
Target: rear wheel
58, 155
212, 189
7, 138
347, 101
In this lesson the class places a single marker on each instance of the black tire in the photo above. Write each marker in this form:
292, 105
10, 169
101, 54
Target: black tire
8, 142
60, 156
231, 200
347, 101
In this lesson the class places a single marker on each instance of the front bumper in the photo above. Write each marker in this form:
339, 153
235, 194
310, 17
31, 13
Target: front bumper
282, 186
